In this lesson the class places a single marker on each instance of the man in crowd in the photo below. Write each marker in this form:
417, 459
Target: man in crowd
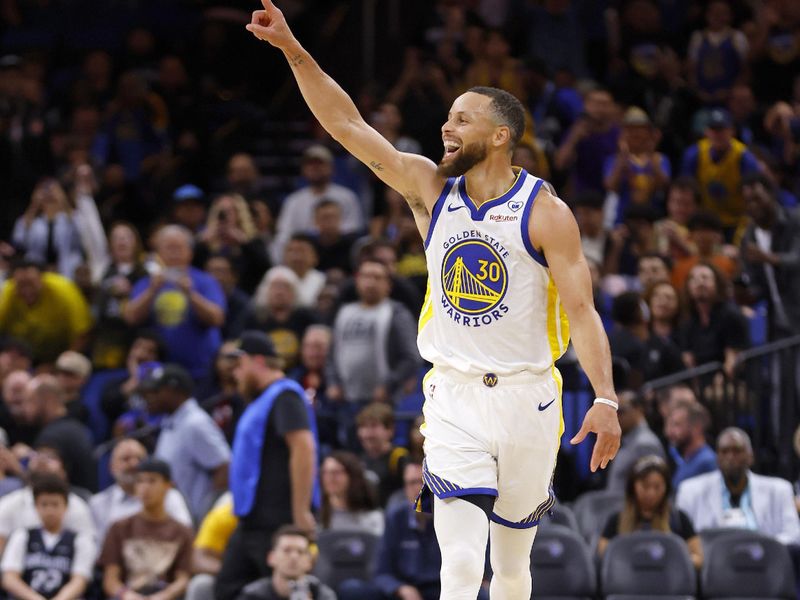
148, 554
190, 442
73, 370
119, 501
734, 496
184, 304
375, 429
685, 429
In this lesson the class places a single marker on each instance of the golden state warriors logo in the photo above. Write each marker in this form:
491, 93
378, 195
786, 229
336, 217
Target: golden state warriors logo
474, 277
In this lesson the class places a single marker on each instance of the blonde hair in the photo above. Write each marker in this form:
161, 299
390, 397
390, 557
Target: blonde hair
275, 273
243, 215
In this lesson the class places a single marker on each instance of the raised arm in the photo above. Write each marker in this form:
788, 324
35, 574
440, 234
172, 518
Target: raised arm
412, 175
554, 232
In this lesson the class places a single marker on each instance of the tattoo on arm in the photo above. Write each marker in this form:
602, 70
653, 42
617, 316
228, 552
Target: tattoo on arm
296, 60
376, 165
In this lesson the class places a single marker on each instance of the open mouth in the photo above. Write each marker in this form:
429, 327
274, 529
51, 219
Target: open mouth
450, 148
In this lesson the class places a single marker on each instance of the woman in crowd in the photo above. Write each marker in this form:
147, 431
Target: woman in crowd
648, 507
348, 499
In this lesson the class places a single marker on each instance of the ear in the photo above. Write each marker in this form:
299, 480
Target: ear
502, 135
271, 559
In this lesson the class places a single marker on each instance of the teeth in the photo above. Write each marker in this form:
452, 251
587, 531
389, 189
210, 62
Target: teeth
450, 147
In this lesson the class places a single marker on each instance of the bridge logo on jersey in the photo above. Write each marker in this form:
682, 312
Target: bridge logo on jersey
474, 281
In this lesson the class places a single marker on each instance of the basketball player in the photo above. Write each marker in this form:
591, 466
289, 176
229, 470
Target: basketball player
505, 271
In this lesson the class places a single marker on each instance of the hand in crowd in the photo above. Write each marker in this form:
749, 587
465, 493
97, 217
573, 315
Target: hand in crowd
305, 520
335, 393
408, 592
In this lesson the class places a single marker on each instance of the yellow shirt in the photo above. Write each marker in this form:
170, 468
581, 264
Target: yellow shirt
216, 528
53, 323
720, 181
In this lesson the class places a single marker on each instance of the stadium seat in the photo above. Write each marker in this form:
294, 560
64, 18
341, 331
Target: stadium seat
648, 564
709, 536
592, 510
561, 565
345, 555
747, 565
562, 515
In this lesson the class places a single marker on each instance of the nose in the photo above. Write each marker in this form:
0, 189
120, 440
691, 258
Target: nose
446, 126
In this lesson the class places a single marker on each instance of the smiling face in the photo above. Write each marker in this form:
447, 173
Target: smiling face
467, 133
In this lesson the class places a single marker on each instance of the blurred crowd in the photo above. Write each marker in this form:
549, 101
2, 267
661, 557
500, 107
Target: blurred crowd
165, 192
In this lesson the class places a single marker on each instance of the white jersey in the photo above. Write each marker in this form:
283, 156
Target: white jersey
491, 306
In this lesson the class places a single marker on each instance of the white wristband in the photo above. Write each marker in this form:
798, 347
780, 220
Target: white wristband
607, 402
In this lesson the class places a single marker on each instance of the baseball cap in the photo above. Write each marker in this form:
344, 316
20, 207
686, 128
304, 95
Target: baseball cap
75, 363
635, 116
188, 192
254, 343
318, 152
154, 465
157, 376
719, 118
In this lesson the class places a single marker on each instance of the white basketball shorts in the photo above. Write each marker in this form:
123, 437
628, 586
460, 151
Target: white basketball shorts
494, 435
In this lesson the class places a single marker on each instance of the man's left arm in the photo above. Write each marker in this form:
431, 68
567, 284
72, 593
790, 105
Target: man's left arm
785, 507
554, 232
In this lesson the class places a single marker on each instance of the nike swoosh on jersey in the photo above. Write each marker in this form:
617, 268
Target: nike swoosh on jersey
451, 208
546, 406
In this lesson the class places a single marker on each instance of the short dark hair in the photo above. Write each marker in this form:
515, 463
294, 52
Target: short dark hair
49, 484
325, 202
687, 182
626, 308
304, 237
759, 178
652, 254
25, 263
507, 110
288, 530
704, 220
589, 199
154, 336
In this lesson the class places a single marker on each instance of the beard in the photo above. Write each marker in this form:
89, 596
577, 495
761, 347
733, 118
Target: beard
466, 158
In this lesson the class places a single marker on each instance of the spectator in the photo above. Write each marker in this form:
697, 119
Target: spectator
49, 561
664, 303
383, 460
46, 232
184, 304
734, 496
120, 501
230, 231
717, 55
18, 508
297, 214
226, 405
190, 442
310, 374
719, 162
631, 240
291, 560
651, 269
274, 311
348, 500
277, 487
242, 176
381, 354
388, 121
44, 309
18, 415
72, 371
495, 66
15, 355
189, 207
672, 232
590, 142
638, 440
301, 257
62, 432
119, 395
713, 329
771, 256
333, 244
685, 427
637, 173
222, 268
706, 238
212, 537
588, 209
148, 554
648, 507
113, 335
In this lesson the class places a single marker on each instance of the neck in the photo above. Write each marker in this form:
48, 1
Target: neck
489, 179
128, 488
693, 447
301, 272
52, 530
154, 513
378, 451
662, 328
736, 483
281, 585
319, 187
268, 378
338, 502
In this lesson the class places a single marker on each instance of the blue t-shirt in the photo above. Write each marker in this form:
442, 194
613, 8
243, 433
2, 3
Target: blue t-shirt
702, 461
640, 179
189, 342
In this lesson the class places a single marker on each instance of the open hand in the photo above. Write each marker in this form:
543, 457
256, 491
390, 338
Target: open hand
602, 420
269, 25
